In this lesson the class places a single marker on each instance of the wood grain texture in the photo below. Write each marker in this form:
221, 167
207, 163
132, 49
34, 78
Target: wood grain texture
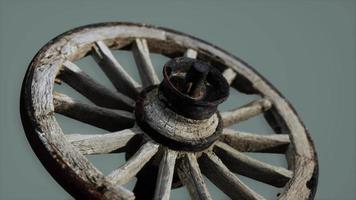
144, 64
165, 175
191, 176
57, 155
252, 142
168, 123
296, 186
245, 112
242, 164
215, 170
93, 90
122, 81
77, 175
102, 143
124, 174
108, 119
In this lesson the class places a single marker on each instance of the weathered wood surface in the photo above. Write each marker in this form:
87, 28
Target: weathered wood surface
108, 119
102, 143
124, 174
125, 194
122, 81
191, 53
79, 176
251, 142
229, 75
49, 143
245, 112
215, 170
295, 189
168, 123
93, 90
191, 176
165, 175
242, 164
144, 64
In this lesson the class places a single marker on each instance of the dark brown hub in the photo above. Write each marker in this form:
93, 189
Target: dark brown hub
193, 88
188, 95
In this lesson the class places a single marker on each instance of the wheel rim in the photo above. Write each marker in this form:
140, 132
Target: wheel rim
63, 155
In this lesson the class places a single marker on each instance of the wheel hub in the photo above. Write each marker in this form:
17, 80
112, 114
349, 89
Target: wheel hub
187, 92
181, 112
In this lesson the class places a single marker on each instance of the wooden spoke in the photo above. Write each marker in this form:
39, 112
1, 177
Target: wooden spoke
123, 174
191, 53
94, 91
102, 143
144, 64
165, 175
84, 181
126, 194
108, 119
245, 112
229, 75
223, 178
250, 167
249, 142
122, 81
190, 175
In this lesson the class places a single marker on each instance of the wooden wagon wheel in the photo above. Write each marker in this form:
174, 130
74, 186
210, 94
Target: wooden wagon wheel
142, 121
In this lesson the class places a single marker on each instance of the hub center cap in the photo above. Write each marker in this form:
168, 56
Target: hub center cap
181, 112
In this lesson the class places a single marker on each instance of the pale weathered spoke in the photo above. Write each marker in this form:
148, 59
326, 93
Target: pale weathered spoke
245, 112
223, 178
229, 75
144, 64
250, 167
191, 53
124, 193
122, 81
250, 142
94, 91
102, 143
124, 174
190, 175
108, 119
165, 175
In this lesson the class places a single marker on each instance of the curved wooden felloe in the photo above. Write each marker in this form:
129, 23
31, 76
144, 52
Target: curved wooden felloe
64, 155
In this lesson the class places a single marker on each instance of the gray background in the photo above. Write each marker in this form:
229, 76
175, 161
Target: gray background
305, 48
